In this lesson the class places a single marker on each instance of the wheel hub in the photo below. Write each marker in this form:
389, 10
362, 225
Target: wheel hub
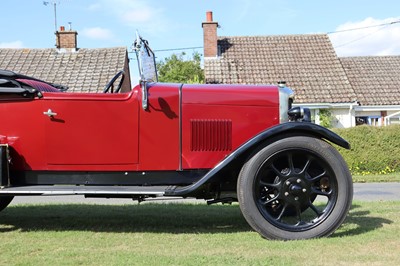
296, 191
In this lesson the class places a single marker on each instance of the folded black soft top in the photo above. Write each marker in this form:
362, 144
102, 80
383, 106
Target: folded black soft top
10, 75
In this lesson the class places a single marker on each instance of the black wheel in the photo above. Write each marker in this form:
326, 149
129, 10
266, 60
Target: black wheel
4, 201
110, 84
295, 188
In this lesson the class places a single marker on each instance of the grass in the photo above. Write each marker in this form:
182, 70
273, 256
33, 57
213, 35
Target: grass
392, 177
185, 234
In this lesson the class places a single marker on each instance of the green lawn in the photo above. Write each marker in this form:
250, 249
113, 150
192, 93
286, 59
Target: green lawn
185, 234
392, 177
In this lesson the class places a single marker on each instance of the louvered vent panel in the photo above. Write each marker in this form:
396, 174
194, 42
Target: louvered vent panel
211, 135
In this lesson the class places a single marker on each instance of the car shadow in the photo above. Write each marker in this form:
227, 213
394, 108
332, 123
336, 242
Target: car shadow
154, 218
360, 222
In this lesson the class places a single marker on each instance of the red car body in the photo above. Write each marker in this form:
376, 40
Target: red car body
223, 143
185, 127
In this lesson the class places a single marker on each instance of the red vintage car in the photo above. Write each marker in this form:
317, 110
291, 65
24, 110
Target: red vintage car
222, 143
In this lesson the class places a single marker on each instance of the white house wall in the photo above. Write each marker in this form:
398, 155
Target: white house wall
368, 113
342, 117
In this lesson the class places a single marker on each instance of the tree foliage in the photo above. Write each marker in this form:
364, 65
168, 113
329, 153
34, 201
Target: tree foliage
177, 68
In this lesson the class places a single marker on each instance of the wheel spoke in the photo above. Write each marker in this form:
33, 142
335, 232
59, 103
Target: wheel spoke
307, 164
318, 177
277, 172
281, 213
290, 161
321, 193
315, 209
268, 201
265, 184
298, 215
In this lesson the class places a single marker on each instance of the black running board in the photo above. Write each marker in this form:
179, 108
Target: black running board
153, 191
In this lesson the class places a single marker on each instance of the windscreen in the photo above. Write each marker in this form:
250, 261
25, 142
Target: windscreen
146, 60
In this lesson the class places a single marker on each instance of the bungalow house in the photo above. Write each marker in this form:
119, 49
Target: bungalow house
376, 81
308, 64
80, 69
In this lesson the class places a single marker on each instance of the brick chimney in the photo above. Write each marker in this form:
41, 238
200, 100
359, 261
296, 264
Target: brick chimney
66, 39
210, 36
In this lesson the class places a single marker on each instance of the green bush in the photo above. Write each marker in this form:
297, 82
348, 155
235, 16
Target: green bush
325, 117
374, 150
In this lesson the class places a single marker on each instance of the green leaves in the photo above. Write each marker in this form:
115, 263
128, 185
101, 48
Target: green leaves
375, 150
179, 69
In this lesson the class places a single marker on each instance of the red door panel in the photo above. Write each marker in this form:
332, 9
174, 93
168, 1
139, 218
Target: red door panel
91, 132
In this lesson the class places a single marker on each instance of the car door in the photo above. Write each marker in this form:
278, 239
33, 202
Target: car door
91, 131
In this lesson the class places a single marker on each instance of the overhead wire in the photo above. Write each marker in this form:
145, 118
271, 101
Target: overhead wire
360, 38
179, 49
383, 25
366, 27
176, 49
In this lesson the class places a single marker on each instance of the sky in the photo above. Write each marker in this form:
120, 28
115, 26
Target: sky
173, 24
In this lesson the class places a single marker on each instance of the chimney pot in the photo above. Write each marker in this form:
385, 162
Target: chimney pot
62, 28
209, 16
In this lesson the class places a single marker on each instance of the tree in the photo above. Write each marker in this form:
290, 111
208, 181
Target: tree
178, 69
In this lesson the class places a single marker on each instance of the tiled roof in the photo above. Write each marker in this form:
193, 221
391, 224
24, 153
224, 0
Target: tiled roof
308, 63
86, 70
375, 79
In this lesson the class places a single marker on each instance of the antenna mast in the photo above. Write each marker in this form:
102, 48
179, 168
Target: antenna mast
46, 3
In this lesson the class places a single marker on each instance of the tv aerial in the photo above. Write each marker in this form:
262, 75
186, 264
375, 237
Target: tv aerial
54, 3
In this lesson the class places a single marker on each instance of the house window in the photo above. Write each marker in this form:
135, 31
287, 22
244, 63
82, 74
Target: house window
394, 121
375, 121
361, 120
369, 120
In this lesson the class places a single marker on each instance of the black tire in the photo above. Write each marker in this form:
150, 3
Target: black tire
4, 201
278, 185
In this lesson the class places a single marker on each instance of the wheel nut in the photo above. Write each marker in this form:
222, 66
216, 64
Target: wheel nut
298, 180
287, 183
296, 198
286, 193
304, 190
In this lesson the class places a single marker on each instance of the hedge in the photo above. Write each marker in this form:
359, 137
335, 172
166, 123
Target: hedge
374, 150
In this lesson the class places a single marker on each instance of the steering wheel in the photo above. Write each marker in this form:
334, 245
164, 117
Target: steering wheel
110, 84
